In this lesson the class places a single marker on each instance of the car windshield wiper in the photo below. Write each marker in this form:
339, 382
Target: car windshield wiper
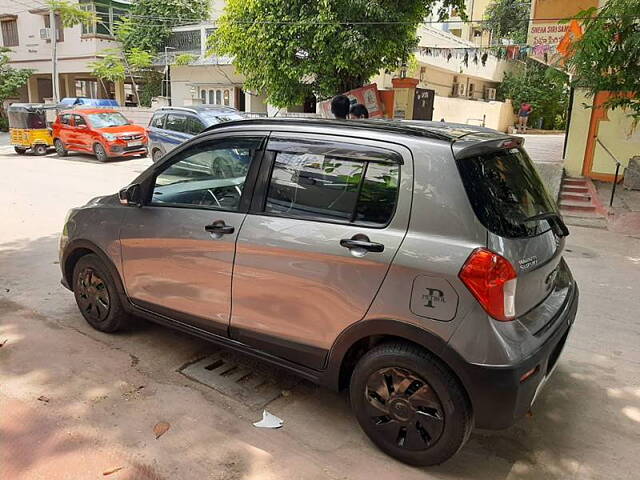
557, 224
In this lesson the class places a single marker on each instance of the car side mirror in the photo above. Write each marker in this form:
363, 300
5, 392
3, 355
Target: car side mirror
131, 196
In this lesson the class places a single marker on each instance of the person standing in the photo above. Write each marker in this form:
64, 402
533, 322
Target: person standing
340, 106
523, 116
358, 111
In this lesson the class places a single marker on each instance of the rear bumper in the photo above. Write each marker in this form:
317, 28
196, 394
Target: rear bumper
498, 396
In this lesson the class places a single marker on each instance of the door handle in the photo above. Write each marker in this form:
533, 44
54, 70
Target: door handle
220, 228
362, 243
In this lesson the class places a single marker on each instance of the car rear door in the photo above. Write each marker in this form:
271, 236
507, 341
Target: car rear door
81, 133
155, 130
178, 249
327, 218
175, 131
65, 130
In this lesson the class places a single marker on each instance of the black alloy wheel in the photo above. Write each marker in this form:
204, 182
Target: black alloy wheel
404, 408
92, 295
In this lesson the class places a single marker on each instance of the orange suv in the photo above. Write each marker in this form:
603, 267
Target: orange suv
105, 133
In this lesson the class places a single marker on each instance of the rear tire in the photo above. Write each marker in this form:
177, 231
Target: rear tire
60, 150
20, 150
40, 149
100, 152
409, 404
97, 296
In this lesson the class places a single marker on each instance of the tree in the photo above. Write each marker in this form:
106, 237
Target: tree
544, 88
115, 65
11, 80
606, 57
508, 19
292, 49
149, 22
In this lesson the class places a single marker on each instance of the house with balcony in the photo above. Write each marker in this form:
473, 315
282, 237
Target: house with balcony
26, 31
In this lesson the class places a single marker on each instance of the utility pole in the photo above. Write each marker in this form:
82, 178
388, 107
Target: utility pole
53, 33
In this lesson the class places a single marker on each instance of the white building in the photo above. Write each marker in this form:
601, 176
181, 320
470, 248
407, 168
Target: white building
25, 29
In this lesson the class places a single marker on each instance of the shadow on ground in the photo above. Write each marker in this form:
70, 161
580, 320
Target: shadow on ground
103, 394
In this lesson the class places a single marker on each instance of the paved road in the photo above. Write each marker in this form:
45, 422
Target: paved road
77, 403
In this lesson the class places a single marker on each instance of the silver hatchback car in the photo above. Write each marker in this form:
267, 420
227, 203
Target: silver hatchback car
417, 264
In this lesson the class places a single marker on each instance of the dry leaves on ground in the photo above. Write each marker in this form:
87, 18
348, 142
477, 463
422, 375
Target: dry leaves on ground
161, 428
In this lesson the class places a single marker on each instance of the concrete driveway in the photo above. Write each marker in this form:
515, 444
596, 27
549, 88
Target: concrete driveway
79, 404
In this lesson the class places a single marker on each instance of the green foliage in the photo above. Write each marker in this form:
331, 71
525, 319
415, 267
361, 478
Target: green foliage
151, 86
606, 58
71, 14
11, 79
291, 49
544, 88
150, 22
185, 59
508, 19
110, 67
138, 59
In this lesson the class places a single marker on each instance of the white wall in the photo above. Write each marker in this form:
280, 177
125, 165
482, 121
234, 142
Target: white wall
498, 115
73, 52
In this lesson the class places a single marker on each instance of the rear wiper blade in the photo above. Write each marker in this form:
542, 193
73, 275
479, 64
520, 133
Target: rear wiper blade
557, 223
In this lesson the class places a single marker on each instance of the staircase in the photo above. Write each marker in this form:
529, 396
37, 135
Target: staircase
580, 205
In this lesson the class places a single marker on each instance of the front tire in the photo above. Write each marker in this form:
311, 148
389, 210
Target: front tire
97, 296
100, 152
410, 405
60, 150
20, 150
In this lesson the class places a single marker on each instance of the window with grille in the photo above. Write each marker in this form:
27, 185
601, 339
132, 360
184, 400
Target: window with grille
10, 33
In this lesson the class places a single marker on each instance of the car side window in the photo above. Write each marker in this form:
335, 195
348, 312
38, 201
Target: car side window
209, 175
331, 188
176, 122
157, 121
194, 125
65, 119
78, 120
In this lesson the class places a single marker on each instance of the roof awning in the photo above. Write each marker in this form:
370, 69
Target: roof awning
7, 16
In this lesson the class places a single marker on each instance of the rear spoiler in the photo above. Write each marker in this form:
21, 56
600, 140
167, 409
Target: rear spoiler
464, 147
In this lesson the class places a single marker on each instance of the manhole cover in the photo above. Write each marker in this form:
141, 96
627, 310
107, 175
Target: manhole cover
252, 383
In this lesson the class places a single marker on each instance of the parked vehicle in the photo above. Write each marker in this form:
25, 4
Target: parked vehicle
28, 129
74, 102
104, 132
418, 264
171, 126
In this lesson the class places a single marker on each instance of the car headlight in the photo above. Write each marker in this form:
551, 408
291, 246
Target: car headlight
110, 136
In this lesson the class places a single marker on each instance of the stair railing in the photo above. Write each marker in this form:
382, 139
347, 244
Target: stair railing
615, 178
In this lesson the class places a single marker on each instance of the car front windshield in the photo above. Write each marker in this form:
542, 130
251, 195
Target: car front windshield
213, 117
107, 119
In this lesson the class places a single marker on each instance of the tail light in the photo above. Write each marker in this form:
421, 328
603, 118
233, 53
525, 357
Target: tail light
492, 280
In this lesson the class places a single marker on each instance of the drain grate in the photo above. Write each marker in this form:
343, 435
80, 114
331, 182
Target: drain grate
231, 374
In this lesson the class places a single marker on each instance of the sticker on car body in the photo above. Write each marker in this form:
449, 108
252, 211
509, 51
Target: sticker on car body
433, 297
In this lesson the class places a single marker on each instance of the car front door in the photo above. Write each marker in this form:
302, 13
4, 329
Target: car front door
323, 229
178, 249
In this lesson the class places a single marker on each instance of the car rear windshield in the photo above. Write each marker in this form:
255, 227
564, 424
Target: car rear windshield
213, 118
107, 119
505, 191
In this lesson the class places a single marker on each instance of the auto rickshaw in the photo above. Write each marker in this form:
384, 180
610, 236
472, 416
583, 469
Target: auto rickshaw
28, 127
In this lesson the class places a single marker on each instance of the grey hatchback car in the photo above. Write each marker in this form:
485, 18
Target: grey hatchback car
418, 265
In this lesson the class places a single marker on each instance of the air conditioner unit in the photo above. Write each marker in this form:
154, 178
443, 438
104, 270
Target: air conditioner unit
45, 33
490, 93
459, 90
